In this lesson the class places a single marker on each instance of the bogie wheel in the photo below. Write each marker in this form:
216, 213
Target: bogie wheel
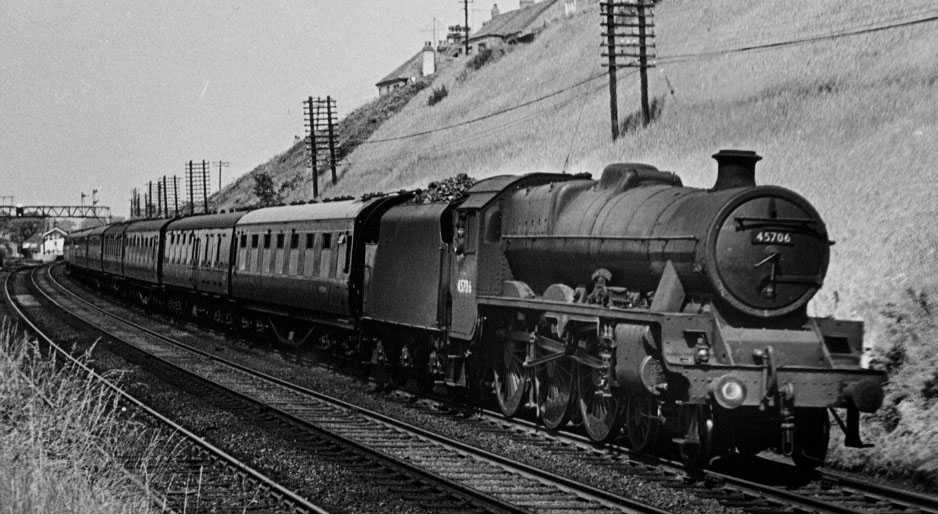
555, 383
697, 447
600, 413
643, 422
812, 435
509, 374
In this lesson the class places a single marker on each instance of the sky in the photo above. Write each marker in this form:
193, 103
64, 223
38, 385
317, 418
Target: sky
106, 95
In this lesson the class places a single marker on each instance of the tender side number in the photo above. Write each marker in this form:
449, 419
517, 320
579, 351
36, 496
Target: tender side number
464, 286
772, 237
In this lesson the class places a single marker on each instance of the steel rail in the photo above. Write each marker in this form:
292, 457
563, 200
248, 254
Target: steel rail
275, 487
518, 467
901, 498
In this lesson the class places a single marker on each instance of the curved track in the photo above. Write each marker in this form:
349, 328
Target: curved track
493, 482
225, 484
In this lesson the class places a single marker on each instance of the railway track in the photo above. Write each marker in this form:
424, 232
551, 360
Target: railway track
487, 481
826, 491
195, 476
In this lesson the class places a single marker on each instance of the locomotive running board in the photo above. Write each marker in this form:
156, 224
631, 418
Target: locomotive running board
584, 309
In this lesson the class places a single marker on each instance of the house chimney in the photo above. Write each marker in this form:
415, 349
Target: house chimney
429, 59
735, 168
525, 3
495, 11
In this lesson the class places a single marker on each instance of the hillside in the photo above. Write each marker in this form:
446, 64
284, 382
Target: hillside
289, 170
849, 122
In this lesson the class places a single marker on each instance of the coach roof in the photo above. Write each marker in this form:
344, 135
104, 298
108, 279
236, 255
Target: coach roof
339, 210
225, 220
147, 225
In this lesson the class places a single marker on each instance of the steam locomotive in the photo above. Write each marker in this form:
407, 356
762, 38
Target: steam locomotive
630, 305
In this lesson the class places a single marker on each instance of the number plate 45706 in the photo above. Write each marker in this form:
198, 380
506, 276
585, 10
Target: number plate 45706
772, 237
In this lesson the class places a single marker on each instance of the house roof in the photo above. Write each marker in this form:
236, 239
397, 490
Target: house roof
513, 22
54, 230
411, 68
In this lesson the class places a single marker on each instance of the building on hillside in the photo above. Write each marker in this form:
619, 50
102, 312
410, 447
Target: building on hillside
425, 63
52, 246
520, 25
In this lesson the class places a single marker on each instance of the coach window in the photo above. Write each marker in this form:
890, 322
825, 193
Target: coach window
326, 266
244, 240
254, 241
210, 241
267, 240
345, 252
309, 256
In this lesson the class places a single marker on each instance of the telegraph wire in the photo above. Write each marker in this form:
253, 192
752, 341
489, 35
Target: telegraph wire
795, 42
489, 115
667, 59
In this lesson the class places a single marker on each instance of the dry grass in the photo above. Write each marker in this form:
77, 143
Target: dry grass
53, 423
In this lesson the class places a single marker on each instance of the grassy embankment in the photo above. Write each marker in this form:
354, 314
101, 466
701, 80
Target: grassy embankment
54, 420
851, 123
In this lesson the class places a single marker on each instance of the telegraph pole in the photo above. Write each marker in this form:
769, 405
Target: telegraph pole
221, 164
176, 194
204, 186
159, 199
165, 198
643, 61
610, 24
310, 116
635, 19
465, 39
331, 122
191, 196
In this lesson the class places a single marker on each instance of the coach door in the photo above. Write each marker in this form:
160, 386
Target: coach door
193, 270
464, 273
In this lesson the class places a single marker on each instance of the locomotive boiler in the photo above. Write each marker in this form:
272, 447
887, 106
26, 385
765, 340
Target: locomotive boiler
758, 251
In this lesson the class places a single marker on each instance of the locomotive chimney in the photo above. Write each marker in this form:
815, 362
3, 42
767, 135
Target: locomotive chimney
735, 168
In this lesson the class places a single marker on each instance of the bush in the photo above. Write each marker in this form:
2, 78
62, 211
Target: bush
264, 189
438, 94
634, 120
484, 57
903, 431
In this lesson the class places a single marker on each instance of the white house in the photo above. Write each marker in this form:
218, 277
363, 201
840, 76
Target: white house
51, 246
